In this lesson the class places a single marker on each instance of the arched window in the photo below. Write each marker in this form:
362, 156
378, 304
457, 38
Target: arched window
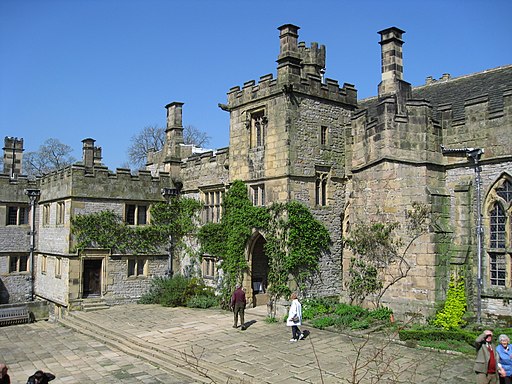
499, 213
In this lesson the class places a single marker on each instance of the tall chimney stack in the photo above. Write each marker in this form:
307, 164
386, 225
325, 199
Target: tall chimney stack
288, 61
13, 155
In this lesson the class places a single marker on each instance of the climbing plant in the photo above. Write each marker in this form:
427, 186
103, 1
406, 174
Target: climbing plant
227, 239
451, 315
106, 229
380, 256
295, 240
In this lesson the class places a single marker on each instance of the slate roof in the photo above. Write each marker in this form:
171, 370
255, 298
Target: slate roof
455, 91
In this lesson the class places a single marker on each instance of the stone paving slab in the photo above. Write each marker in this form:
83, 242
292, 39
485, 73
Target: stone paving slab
261, 354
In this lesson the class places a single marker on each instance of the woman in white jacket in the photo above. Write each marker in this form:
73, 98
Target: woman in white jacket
295, 318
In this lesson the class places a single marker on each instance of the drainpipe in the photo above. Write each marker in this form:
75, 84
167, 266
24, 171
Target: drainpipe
475, 154
33, 195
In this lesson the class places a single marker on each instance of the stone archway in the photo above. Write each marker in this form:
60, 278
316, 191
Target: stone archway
256, 282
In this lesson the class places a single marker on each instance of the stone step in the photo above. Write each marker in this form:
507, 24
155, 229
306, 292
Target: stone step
166, 358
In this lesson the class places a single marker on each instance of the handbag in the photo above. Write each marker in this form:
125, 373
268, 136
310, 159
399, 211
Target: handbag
295, 319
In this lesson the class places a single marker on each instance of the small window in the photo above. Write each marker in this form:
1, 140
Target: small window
17, 215
136, 214
498, 269
18, 263
258, 195
60, 213
43, 263
258, 126
321, 189
58, 267
208, 267
137, 267
212, 209
46, 214
323, 135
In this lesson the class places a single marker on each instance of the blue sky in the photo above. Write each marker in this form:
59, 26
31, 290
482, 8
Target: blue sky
73, 69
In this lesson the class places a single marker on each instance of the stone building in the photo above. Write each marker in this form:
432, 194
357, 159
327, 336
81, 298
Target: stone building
56, 272
299, 136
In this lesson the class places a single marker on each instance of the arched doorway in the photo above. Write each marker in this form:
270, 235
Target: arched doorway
258, 266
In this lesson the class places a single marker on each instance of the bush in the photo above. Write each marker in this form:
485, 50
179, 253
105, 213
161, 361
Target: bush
323, 322
178, 291
203, 301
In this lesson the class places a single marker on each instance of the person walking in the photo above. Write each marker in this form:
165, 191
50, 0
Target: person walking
238, 305
504, 350
4, 376
487, 362
295, 318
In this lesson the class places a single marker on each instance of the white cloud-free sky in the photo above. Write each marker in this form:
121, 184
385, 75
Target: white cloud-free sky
73, 69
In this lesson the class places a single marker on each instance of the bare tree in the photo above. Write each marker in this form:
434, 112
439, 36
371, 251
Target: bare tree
152, 138
50, 156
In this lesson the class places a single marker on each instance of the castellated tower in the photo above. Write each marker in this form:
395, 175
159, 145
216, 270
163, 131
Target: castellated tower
287, 138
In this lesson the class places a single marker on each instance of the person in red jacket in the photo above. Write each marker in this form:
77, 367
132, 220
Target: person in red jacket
238, 306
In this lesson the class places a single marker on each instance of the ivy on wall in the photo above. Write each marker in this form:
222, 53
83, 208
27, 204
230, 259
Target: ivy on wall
295, 240
106, 229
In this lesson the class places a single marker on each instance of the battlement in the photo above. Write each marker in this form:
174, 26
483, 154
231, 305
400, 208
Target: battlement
219, 157
300, 70
310, 85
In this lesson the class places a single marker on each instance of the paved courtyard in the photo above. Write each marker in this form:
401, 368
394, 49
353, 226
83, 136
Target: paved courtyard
206, 347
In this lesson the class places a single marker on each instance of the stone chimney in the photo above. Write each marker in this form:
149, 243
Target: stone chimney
288, 61
88, 153
392, 67
13, 156
174, 130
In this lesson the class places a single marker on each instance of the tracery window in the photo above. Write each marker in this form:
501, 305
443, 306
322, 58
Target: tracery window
321, 188
499, 213
258, 129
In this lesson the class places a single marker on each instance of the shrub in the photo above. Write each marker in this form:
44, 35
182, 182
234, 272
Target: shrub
323, 322
450, 317
203, 301
178, 291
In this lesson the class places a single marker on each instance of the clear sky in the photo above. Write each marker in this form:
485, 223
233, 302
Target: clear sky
73, 69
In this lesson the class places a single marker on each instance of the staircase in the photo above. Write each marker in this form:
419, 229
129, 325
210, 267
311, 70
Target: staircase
89, 305
163, 356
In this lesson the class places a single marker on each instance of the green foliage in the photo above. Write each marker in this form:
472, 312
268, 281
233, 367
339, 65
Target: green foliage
363, 280
202, 301
295, 242
270, 320
107, 230
179, 291
451, 316
379, 254
324, 313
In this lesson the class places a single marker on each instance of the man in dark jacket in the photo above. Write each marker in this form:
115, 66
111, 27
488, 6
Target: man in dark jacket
4, 377
40, 377
238, 306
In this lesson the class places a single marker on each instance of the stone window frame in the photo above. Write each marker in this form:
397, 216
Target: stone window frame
257, 123
58, 267
322, 175
137, 267
61, 211
46, 215
136, 217
19, 264
324, 135
257, 194
498, 233
208, 267
17, 215
44, 264
212, 199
